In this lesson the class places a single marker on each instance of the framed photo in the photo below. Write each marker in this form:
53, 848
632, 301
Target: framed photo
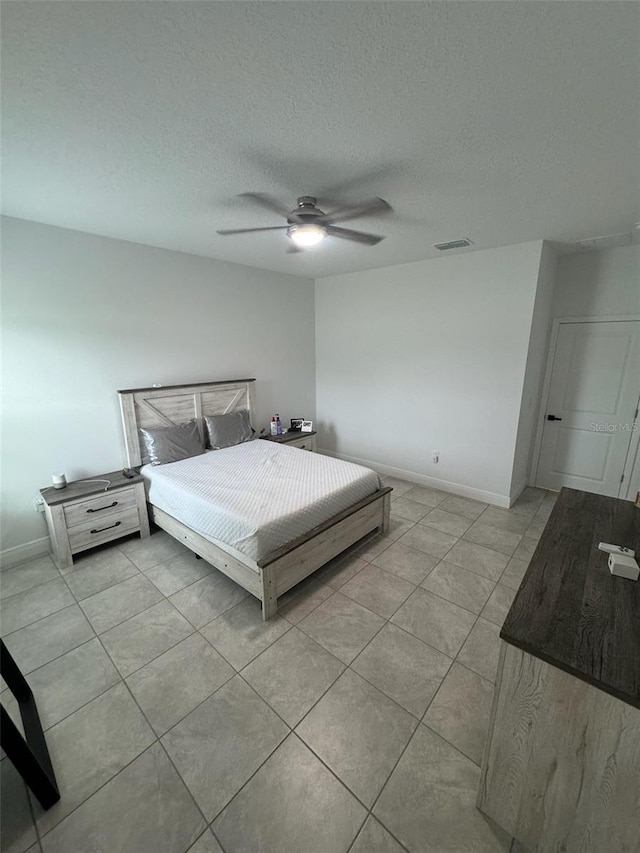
307, 426
296, 424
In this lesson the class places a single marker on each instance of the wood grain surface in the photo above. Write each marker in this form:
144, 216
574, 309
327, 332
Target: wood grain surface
570, 611
560, 769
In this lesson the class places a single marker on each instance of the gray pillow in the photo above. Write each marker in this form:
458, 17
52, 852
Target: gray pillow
227, 430
172, 443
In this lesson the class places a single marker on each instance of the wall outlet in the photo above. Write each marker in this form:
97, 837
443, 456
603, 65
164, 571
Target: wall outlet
38, 504
436, 456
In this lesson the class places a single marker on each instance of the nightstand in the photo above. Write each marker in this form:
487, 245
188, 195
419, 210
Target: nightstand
85, 514
303, 440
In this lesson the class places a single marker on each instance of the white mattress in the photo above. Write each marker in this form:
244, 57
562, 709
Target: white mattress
258, 496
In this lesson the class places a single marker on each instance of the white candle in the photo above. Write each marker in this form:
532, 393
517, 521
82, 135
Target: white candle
59, 481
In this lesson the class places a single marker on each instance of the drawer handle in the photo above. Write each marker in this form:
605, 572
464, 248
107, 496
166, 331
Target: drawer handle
100, 508
100, 529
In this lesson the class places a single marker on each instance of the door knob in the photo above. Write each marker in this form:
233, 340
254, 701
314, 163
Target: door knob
553, 418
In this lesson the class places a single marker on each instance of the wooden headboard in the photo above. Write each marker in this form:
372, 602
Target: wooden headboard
174, 404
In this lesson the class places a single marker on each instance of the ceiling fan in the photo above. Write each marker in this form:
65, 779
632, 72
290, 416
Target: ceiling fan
307, 225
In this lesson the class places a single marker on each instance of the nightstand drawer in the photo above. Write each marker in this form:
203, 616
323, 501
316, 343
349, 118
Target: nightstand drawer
96, 508
95, 531
303, 443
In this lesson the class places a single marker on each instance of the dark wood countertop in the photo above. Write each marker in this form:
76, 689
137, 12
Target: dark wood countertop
570, 611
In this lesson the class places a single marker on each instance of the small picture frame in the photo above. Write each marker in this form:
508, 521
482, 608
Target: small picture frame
296, 424
307, 426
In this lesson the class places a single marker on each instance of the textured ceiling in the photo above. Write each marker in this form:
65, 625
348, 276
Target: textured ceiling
501, 122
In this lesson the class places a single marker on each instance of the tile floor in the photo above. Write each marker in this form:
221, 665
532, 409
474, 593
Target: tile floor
353, 721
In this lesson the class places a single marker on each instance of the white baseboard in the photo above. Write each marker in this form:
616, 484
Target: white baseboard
431, 482
21, 553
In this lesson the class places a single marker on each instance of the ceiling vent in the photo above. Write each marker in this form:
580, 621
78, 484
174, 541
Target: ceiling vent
611, 241
454, 244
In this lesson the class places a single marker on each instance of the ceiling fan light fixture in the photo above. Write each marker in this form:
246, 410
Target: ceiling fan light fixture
307, 234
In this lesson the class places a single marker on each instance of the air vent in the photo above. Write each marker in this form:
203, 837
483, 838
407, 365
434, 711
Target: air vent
454, 244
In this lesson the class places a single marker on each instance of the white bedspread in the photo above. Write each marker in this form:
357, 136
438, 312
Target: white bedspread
257, 497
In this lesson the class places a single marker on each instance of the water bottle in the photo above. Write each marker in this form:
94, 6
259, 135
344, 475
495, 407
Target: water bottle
278, 425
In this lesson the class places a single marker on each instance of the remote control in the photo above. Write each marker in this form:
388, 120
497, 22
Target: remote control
616, 549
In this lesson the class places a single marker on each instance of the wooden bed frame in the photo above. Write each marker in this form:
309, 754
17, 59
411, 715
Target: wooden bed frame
268, 578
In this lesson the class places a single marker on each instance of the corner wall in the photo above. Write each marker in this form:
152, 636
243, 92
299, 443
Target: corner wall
429, 356
534, 373
85, 315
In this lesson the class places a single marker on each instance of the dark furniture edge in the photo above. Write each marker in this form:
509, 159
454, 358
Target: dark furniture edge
29, 753
535, 574
53, 497
182, 385
335, 519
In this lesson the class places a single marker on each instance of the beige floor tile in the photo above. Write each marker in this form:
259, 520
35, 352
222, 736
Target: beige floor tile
397, 526
446, 522
463, 588
496, 538
411, 510
429, 802
336, 573
481, 649
374, 838
303, 599
292, 674
514, 573
372, 546
430, 541
210, 747
439, 623
504, 519
240, 634
497, 607
467, 507
171, 686
526, 548
403, 667
460, 711
27, 575
359, 733
341, 626
478, 559
146, 807
426, 496
90, 747
406, 562
379, 591
292, 804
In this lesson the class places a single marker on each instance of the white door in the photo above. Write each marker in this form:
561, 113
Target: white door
591, 413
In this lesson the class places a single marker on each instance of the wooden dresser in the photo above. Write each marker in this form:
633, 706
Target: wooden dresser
561, 766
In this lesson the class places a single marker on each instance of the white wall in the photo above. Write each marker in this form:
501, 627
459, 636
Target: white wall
604, 283
589, 284
85, 315
428, 356
534, 373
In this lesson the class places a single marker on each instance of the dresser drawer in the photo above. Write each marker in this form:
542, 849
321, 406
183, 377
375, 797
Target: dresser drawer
98, 507
104, 528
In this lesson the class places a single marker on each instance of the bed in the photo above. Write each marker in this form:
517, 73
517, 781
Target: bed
272, 558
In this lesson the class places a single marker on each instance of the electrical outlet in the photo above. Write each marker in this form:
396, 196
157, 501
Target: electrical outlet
436, 455
38, 504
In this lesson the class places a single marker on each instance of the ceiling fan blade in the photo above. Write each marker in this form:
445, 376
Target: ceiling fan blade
354, 236
267, 201
369, 207
251, 230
